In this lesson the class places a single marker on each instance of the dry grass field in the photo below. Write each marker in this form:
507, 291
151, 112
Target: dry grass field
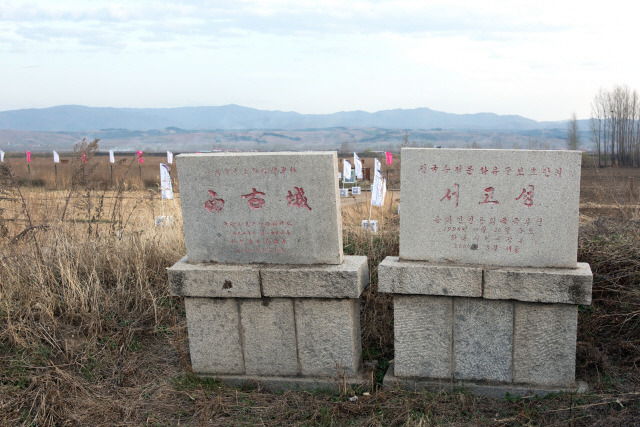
90, 336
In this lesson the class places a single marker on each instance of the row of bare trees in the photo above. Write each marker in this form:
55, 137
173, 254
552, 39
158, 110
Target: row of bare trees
615, 123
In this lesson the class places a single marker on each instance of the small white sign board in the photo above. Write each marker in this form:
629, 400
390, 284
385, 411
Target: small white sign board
164, 220
370, 225
344, 192
355, 190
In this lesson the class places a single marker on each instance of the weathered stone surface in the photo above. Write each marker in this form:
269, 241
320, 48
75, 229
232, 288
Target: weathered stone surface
493, 207
275, 383
274, 208
497, 391
545, 344
346, 280
554, 285
214, 337
328, 333
268, 333
424, 278
422, 331
214, 280
483, 339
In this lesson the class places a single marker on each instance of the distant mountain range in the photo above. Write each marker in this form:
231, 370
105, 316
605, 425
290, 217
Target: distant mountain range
77, 118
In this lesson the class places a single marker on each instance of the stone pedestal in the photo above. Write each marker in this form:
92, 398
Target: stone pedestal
497, 330
286, 326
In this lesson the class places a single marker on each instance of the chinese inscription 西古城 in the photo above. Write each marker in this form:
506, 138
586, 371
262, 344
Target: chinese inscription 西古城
256, 199
215, 203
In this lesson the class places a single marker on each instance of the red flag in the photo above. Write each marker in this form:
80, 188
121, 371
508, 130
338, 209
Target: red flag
28, 156
84, 158
389, 157
140, 160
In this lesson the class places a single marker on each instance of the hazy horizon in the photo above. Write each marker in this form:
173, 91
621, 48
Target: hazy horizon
542, 61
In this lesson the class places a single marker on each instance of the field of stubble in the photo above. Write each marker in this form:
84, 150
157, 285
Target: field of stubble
90, 336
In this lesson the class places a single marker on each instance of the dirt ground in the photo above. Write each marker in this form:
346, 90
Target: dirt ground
609, 192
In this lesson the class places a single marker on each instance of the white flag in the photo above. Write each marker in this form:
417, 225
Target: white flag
378, 190
169, 157
346, 169
111, 157
56, 158
165, 182
377, 165
1, 156
358, 165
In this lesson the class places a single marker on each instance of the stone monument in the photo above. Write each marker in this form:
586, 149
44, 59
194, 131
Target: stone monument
269, 295
487, 285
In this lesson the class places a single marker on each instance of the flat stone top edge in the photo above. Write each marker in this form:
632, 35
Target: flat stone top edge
581, 267
184, 264
479, 150
260, 154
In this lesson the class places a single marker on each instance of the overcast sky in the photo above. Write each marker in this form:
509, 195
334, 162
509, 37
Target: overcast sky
542, 60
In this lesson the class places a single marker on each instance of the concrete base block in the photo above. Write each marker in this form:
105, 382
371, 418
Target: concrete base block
328, 336
482, 339
333, 384
279, 337
422, 335
545, 343
346, 280
268, 336
257, 321
476, 388
214, 335
397, 276
551, 285
220, 280
494, 339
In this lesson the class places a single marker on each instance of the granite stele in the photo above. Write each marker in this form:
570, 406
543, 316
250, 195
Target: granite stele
487, 284
268, 293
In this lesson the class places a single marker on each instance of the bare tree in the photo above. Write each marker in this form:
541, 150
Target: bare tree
573, 134
615, 125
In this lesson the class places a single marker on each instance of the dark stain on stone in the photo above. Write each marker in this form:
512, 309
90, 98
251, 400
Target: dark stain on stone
227, 284
474, 246
575, 291
176, 282
266, 301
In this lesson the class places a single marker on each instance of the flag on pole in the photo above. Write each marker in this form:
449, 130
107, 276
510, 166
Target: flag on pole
140, 159
1, 156
112, 158
389, 157
377, 165
169, 157
56, 157
28, 156
358, 165
346, 169
378, 190
165, 182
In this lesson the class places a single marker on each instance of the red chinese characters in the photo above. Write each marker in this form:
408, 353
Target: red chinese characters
255, 199
214, 203
297, 199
